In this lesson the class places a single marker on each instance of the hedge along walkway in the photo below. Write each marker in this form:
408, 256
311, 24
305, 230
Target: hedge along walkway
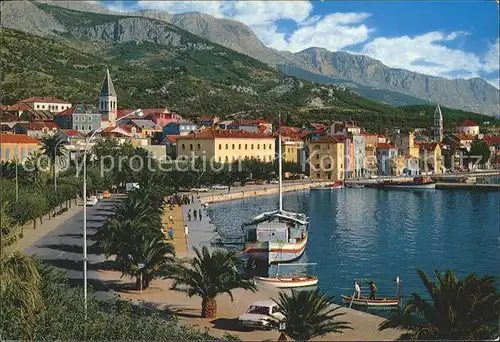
179, 240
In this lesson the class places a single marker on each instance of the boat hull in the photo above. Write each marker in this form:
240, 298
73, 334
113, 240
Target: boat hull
288, 282
409, 186
363, 301
274, 252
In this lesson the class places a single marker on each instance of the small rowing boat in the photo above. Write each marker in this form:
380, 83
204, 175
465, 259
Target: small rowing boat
364, 301
289, 281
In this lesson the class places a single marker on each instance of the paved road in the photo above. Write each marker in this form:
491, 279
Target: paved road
63, 246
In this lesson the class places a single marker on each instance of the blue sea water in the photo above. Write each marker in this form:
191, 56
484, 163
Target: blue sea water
372, 234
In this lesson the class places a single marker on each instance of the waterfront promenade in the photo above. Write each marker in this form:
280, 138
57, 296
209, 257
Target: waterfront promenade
62, 247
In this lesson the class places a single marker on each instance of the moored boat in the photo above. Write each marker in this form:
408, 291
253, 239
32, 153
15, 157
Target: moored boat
421, 182
289, 281
276, 236
364, 301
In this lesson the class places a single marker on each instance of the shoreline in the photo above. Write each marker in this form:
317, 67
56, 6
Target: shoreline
265, 191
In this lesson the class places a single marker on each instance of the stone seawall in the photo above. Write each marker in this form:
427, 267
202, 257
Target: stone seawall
257, 193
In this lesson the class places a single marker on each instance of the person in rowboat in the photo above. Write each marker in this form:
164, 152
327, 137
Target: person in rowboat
373, 290
357, 290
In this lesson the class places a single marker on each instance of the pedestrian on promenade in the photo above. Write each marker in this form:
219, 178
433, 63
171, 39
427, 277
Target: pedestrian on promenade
171, 219
189, 215
171, 233
186, 231
200, 214
194, 214
192, 198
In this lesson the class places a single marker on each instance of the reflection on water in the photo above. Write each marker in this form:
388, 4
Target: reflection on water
369, 234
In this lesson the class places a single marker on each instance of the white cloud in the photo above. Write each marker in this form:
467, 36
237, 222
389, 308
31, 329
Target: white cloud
492, 58
424, 54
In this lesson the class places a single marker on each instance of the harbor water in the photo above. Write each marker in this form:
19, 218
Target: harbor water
370, 234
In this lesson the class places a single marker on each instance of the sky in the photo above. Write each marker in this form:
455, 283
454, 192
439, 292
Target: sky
452, 39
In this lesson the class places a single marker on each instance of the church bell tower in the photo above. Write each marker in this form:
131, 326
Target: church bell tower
108, 103
438, 125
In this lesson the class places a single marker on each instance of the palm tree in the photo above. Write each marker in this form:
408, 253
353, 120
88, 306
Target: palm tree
458, 309
20, 284
209, 275
155, 255
35, 166
309, 314
53, 148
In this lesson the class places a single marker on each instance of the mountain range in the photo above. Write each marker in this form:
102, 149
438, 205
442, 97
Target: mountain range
367, 76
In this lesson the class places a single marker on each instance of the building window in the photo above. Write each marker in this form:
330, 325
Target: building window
77, 118
191, 147
317, 156
227, 146
183, 147
258, 146
316, 147
199, 147
220, 146
264, 146
270, 146
317, 166
220, 159
318, 175
7, 154
37, 106
251, 147
90, 118
76, 127
233, 146
57, 107
227, 159
239, 146
43, 106
246, 146
90, 127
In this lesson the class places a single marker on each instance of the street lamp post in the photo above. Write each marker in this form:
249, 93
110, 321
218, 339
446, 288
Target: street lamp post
137, 113
55, 165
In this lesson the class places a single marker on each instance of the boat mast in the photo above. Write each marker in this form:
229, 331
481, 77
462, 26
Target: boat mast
280, 167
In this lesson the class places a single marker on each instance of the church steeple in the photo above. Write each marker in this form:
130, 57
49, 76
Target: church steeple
108, 102
438, 124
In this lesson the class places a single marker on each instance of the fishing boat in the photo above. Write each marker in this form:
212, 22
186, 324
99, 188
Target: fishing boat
332, 186
421, 182
355, 186
364, 301
289, 281
276, 236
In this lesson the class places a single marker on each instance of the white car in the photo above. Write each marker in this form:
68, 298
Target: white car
100, 196
274, 181
220, 187
200, 190
92, 200
260, 314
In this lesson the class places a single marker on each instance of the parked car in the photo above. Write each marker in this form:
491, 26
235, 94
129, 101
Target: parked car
260, 314
106, 194
220, 187
100, 195
273, 181
200, 190
260, 182
92, 200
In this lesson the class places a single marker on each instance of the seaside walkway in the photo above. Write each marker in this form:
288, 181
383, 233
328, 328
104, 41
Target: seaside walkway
179, 240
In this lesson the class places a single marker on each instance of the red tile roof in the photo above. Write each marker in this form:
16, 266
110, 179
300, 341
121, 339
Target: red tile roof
17, 107
365, 133
72, 133
468, 123
173, 138
318, 125
44, 99
385, 146
464, 136
51, 124
17, 139
491, 140
215, 133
